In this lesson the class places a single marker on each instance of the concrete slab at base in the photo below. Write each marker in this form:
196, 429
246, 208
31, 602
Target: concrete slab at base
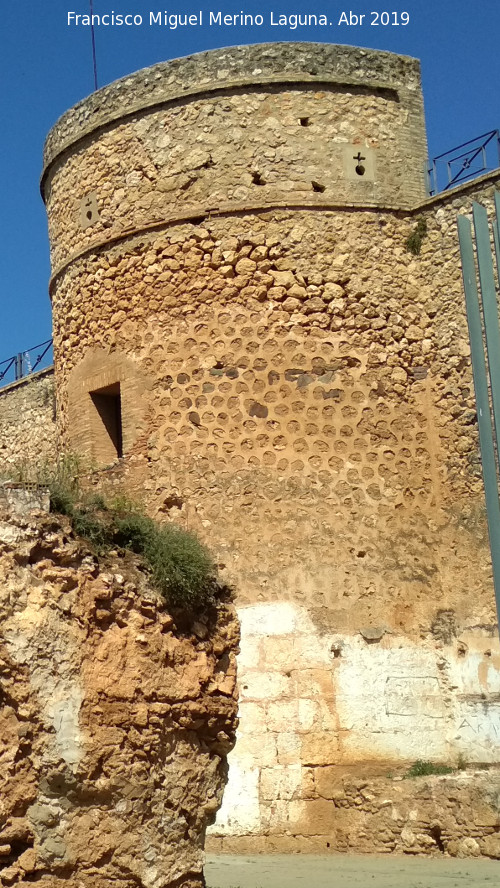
339, 871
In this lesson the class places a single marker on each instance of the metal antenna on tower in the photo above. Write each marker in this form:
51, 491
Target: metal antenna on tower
94, 59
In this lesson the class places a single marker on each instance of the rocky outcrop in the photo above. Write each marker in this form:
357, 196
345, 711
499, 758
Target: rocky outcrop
115, 721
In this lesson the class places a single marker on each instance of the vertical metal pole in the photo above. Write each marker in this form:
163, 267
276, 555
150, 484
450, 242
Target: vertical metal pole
19, 365
92, 34
496, 238
482, 401
490, 309
496, 231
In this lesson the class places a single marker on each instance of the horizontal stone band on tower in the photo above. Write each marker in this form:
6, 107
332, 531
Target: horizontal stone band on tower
256, 126
228, 68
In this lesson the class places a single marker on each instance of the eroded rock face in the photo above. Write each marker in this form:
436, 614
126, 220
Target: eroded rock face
114, 724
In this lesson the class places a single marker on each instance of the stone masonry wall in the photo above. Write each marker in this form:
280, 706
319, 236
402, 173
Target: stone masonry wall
295, 386
316, 426
27, 422
272, 421
328, 723
114, 723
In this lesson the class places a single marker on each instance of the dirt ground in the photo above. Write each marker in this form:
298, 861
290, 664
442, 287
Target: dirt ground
342, 871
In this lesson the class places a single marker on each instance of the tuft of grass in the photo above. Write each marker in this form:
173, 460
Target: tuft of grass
461, 762
134, 530
61, 500
92, 528
414, 241
63, 481
422, 768
180, 567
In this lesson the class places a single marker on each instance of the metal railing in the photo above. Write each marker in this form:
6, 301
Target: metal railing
26, 362
466, 161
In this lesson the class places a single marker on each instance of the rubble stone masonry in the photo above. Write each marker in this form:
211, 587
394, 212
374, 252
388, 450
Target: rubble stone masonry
243, 336
27, 423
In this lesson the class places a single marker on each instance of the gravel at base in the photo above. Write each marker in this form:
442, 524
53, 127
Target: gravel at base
343, 871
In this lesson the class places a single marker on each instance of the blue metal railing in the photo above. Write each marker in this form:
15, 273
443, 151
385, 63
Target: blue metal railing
466, 161
26, 362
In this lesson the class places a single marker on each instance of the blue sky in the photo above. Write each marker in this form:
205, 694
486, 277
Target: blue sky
46, 67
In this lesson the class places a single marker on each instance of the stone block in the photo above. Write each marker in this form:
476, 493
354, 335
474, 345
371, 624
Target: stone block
252, 718
243, 845
309, 716
314, 683
280, 782
486, 815
240, 811
490, 846
253, 748
279, 618
468, 847
264, 686
289, 745
319, 748
283, 715
312, 651
278, 652
275, 816
313, 817
249, 656
328, 783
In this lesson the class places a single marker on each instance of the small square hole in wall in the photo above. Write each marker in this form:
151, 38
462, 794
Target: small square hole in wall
106, 424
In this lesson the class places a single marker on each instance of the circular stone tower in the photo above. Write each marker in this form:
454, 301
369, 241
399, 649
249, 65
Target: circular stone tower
214, 223
242, 333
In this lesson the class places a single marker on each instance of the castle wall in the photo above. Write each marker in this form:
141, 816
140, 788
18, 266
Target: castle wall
27, 422
295, 386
